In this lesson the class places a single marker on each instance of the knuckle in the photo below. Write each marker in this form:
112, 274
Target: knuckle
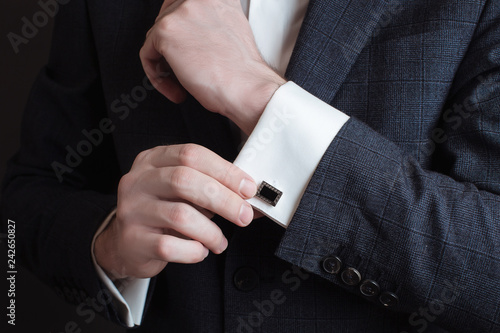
122, 213
199, 253
231, 172
164, 23
163, 248
179, 214
188, 154
232, 205
213, 238
180, 178
143, 156
187, 8
226, 201
126, 182
125, 189
125, 214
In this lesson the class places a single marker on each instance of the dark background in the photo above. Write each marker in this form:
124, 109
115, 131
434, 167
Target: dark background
37, 308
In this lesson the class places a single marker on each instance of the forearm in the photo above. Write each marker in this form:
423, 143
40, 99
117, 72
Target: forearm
416, 233
53, 235
57, 189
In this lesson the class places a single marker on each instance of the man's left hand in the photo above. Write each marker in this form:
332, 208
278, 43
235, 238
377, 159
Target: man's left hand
209, 47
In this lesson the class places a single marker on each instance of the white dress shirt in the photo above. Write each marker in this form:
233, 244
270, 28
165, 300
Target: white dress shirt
284, 149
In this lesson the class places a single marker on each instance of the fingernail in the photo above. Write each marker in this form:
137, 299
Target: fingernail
248, 188
246, 214
223, 245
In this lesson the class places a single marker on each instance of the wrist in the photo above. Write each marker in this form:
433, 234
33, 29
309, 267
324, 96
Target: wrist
253, 97
105, 255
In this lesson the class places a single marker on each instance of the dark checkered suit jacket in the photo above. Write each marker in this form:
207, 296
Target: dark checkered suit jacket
398, 229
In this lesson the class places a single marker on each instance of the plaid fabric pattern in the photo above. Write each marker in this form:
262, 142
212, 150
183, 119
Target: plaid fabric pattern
408, 193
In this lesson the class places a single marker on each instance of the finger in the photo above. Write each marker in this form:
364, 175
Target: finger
185, 220
206, 162
154, 64
172, 249
159, 73
195, 187
208, 214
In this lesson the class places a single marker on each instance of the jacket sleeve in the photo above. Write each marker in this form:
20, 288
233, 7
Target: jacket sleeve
421, 241
61, 184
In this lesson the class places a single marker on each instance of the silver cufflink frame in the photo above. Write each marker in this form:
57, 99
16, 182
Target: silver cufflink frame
268, 193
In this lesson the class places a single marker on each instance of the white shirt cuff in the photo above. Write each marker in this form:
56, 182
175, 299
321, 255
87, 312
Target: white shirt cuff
129, 295
287, 145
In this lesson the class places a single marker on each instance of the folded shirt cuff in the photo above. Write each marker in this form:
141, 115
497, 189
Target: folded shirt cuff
285, 148
129, 295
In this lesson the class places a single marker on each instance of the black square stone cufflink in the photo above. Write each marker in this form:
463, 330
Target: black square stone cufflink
268, 193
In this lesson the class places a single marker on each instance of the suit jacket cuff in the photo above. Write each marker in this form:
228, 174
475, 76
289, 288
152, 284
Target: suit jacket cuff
287, 145
129, 295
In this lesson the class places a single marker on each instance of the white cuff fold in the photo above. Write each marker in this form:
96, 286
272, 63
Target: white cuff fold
129, 295
287, 145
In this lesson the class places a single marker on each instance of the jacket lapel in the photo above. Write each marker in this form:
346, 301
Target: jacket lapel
331, 38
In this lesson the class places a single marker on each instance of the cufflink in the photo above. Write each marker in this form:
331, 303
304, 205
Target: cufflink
268, 193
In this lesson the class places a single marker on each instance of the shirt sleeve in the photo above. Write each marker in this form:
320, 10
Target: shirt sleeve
129, 295
285, 148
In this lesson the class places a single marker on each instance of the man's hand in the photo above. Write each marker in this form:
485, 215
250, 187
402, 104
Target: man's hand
210, 48
164, 208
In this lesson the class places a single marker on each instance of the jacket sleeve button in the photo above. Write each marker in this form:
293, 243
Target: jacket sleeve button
369, 288
389, 299
332, 264
351, 276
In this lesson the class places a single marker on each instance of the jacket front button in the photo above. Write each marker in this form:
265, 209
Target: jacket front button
246, 279
332, 264
389, 299
369, 288
351, 276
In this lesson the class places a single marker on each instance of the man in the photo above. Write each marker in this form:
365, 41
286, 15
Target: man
395, 229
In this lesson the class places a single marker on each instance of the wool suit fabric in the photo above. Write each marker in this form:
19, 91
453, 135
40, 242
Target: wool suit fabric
408, 193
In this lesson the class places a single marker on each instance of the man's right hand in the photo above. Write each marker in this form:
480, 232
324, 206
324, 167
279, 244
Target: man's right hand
164, 208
